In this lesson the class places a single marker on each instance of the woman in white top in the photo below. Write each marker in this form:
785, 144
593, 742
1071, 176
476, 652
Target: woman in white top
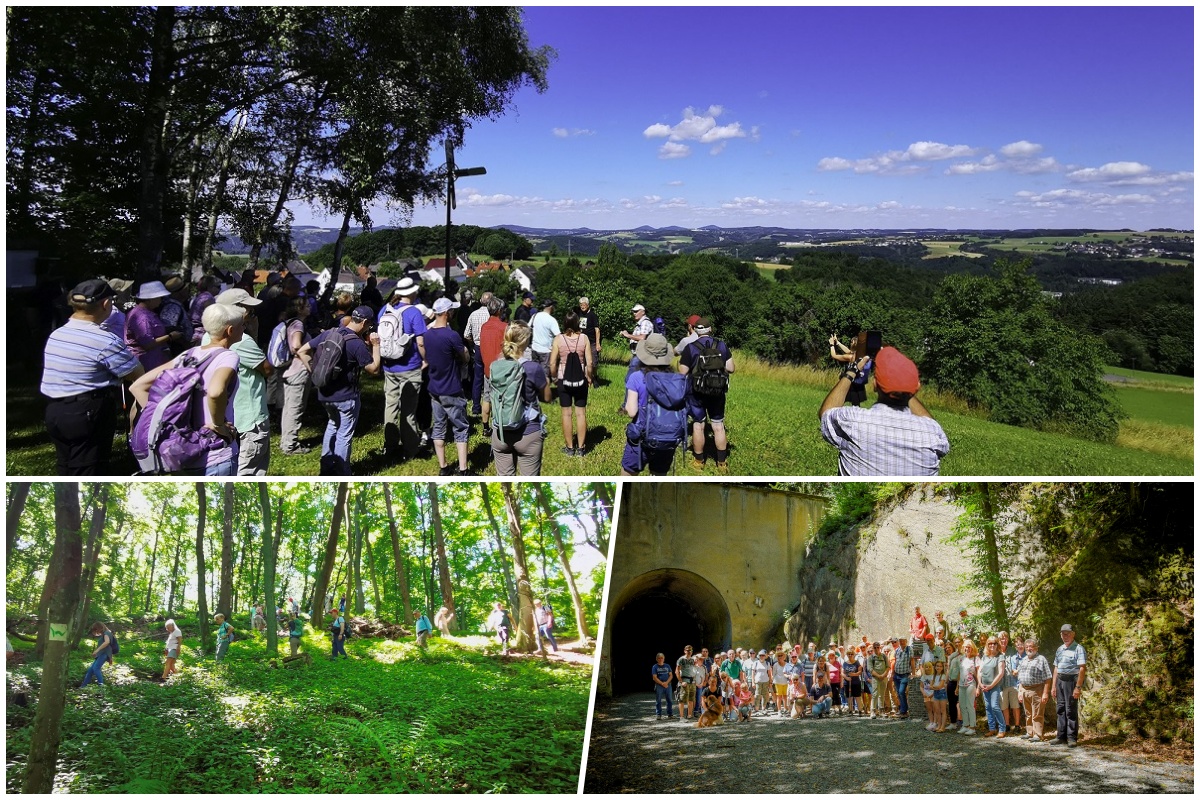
968, 685
171, 648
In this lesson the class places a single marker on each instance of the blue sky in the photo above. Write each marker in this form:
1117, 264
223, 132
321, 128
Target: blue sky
843, 118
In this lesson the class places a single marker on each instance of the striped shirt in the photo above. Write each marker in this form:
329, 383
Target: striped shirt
882, 440
1034, 671
82, 357
1068, 660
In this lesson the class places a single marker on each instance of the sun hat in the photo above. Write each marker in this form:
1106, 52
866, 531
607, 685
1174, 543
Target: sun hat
444, 304
406, 287
91, 291
174, 283
150, 290
654, 351
237, 297
895, 373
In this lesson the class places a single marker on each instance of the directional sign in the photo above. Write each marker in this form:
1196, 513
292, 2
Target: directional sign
58, 631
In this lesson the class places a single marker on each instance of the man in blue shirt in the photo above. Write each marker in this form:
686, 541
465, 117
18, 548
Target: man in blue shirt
445, 353
424, 628
342, 397
1070, 667
402, 376
661, 675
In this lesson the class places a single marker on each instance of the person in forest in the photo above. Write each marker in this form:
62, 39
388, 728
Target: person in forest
295, 606
424, 628
1070, 667
259, 619
444, 619
171, 648
500, 622
660, 673
338, 634
543, 617
100, 655
295, 632
224, 632
1034, 678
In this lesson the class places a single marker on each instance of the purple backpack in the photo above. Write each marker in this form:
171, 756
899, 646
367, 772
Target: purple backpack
169, 434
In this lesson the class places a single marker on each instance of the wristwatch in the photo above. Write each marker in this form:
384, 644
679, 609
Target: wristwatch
850, 372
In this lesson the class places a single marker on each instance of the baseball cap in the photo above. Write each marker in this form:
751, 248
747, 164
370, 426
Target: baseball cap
444, 304
693, 319
548, 302
895, 373
237, 297
703, 326
363, 314
91, 291
1066, 628
639, 307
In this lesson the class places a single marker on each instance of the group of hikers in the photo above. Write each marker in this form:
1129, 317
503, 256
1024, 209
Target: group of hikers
1009, 678
107, 644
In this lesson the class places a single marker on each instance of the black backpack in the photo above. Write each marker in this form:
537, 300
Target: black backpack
329, 360
113, 645
708, 369
573, 373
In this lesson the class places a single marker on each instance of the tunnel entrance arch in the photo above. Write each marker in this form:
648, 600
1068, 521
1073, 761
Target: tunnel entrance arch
660, 611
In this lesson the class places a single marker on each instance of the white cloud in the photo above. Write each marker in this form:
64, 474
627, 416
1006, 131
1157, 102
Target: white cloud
1021, 149
935, 151
987, 164
1034, 166
888, 205
1128, 173
674, 183
834, 164
656, 130
564, 133
898, 161
1058, 198
674, 150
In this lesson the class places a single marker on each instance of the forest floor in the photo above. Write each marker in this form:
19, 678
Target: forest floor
632, 752
390, 719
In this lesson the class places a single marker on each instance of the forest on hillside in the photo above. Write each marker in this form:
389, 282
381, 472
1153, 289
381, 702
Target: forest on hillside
140, 558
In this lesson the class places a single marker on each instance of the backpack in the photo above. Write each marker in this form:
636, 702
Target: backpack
328, 361
708, 369
664, 416
508, 396
114, 648
166, 436
279, 350
394, 343
573, 374
660, 326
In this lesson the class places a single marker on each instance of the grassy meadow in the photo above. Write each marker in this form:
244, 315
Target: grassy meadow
391, 719
772, 424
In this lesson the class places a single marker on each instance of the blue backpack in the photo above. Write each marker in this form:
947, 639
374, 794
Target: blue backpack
663, 417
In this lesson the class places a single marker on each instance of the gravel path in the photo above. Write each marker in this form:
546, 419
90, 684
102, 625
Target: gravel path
631, 752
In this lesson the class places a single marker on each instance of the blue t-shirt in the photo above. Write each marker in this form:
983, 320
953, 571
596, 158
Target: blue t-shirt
423, 624
662, 672
411, 322
692, 351
635, 382
440, 346
357, 356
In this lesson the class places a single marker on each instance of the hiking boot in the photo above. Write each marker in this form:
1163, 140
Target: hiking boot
446, 471
697, 463
580, 452
1072, 743
1000, 735
466, 472
1059, 741
298, 451
568, 451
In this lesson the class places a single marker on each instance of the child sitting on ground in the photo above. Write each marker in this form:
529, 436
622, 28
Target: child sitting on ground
743, 700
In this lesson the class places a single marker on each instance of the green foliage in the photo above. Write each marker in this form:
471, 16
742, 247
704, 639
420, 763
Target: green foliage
391, 720
497, 282
994, 342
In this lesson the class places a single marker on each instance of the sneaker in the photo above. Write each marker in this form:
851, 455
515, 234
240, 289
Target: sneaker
299, 451
580, 452
723, 466
1059, 741
969, 731
1027, 736
1000, 735
468, 473
931, 726
873, 716
568, 451
1072, 743
446, 471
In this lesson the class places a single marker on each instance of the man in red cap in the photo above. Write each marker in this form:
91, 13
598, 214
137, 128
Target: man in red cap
894, 437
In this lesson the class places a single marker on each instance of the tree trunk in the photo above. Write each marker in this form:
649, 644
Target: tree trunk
526, 641
154, 164
218, 197
992, 553
191, 209
201, 577
16, 506
66, 567
398, 557
174, 579
356, 563
338, 247
153, 564
443, 566
374, 581
327, 563
576, 601
268, 556
91, 554
604, 502
510, 588
225, 594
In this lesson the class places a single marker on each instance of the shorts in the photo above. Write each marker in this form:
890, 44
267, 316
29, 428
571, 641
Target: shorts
687, 693
744, 712
781, 689
573, 395
939, 694
762, 691
450, 411
635, 459
1009, 699
706, 406
173, 653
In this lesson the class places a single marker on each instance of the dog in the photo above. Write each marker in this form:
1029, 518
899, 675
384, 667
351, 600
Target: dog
712, 712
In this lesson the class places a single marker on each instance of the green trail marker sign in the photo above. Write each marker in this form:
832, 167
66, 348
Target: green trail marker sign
58, 631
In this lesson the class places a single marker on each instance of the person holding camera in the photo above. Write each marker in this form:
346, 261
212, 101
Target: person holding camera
849, 355
896, 436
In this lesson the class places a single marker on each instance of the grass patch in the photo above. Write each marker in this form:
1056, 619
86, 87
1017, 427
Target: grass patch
771, 418
946, 249
1156, 380
390, 720
1168, 407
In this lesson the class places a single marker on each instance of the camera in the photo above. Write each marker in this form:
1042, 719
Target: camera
874, 343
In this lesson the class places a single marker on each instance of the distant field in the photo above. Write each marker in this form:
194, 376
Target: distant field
1155, 405
1046, 244
946, 249
1152, 378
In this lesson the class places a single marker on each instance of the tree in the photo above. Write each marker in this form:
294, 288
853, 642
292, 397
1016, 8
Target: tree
510, 588
993, 341
321, 588
201, 578
17, 496
447, 588
526, 641
269, 545
225, 594
552, 521
64, 575
398, 557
